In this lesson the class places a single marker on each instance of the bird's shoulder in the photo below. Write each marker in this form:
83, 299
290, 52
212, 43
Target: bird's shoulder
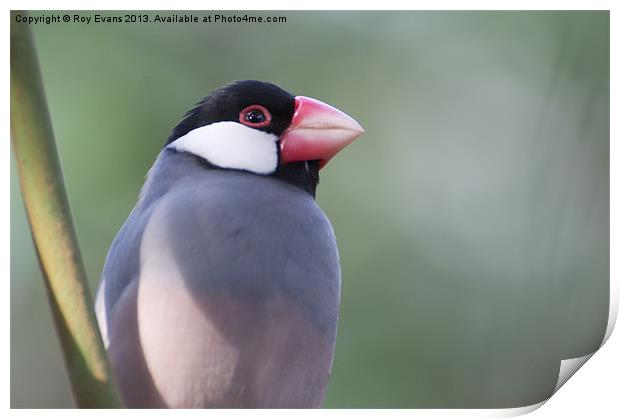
217, 228
232, 216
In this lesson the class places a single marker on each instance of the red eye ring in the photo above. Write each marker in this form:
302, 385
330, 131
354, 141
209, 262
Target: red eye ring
243, 116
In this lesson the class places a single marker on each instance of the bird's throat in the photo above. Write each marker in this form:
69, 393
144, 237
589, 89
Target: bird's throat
304, 174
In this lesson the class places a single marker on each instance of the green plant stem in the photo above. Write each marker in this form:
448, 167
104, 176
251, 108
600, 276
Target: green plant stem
52, 229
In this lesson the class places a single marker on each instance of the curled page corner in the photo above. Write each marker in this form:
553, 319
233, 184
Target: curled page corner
568, 367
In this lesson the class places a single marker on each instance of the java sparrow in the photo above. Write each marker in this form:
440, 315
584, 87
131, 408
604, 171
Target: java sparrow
222, 287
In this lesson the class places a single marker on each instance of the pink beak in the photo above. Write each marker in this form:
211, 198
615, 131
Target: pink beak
317, 132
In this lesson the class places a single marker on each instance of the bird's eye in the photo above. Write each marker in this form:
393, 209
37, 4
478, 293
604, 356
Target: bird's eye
255, 116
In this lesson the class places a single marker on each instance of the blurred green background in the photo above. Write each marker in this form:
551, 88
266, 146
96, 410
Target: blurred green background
472, 217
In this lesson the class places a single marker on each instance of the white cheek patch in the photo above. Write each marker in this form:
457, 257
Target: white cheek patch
231, 145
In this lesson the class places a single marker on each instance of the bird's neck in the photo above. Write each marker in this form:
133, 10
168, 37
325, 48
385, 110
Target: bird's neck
171, 166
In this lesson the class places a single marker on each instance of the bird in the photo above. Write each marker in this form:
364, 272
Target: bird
222, 287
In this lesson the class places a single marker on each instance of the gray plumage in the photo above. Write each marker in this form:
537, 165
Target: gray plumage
220, 290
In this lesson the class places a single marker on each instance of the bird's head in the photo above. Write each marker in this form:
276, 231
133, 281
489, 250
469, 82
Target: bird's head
260, 128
